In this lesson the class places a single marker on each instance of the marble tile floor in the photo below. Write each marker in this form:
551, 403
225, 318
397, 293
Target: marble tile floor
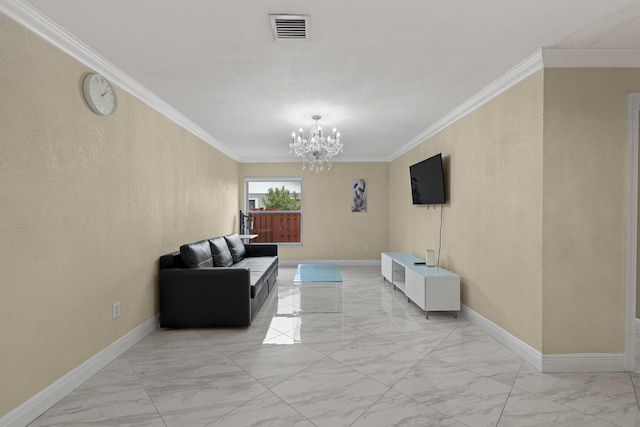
342, 354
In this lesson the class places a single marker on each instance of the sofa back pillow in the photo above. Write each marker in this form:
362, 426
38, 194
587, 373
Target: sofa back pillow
236, 247
195, 255
220, 251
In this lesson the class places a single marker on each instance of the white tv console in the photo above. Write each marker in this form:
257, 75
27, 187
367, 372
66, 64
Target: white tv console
430, 288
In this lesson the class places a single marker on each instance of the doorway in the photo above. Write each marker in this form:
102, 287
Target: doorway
631, 252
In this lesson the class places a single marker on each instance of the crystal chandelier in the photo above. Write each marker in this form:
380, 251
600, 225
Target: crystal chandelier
316, 148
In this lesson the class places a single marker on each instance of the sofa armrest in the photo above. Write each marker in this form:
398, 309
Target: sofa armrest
204, 297
261, 249
172, 260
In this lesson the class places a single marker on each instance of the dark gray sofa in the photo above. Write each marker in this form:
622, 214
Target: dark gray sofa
216, 282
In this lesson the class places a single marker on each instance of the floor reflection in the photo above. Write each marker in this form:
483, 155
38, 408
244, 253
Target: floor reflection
299, 299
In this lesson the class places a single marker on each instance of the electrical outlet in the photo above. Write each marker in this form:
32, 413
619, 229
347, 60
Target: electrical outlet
331, 252
366, 248
115, 310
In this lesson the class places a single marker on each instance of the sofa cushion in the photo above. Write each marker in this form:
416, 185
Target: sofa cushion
260, 268
220, 251
195, 255
236, 247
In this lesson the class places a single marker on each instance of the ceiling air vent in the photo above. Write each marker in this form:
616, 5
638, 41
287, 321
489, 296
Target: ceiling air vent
290, 27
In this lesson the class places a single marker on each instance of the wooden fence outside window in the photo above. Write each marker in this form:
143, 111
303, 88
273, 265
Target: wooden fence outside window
276, 226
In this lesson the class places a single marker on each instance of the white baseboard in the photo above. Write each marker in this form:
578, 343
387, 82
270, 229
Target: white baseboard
516, 345
590, 362
41, 402
293, 263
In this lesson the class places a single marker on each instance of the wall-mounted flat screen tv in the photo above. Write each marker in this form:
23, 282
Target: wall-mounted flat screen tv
427, 182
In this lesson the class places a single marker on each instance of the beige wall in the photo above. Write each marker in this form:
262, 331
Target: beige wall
87, 204
327, 220
492, 222
535, 222
585, 131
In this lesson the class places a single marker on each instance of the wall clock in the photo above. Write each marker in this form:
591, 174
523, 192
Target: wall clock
100, 95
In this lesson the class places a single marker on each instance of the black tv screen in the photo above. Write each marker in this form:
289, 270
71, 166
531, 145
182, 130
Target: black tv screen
427, 181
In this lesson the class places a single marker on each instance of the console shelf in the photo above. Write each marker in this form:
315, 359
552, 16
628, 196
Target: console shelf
430, 288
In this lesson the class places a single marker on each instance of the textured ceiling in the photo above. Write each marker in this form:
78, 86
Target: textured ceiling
382, 72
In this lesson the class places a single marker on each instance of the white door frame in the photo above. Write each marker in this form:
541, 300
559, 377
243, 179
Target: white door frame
631, 241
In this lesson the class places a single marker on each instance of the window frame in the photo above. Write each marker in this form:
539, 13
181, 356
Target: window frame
296, 179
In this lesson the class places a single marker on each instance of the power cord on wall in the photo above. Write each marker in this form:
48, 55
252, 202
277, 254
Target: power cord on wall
440, 239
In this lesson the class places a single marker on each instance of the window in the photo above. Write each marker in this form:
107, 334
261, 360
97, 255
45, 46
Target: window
274, 206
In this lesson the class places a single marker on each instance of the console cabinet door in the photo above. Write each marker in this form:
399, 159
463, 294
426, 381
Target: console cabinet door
387, 267
443, 293
415, 287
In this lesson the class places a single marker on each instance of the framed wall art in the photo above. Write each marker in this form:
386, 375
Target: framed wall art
359, 195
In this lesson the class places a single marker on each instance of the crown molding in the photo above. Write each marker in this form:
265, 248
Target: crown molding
591, 58
518, 73
544, 58
31, 18
291, 159
34, 20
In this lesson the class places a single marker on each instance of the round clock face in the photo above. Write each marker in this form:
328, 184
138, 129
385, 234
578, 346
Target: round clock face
100, 95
